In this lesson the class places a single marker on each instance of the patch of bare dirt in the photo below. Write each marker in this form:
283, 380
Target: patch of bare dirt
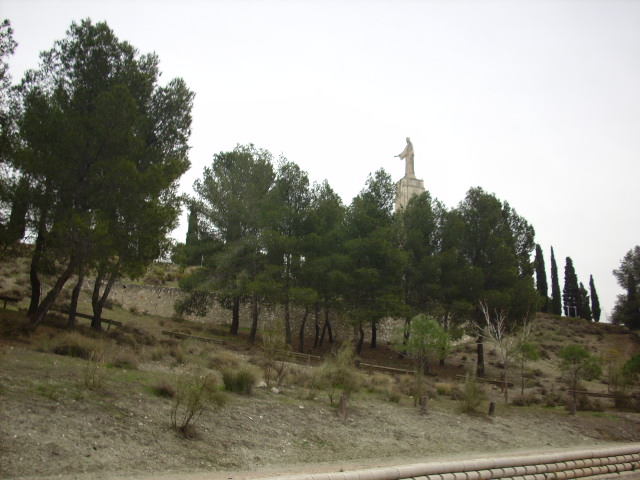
51, 427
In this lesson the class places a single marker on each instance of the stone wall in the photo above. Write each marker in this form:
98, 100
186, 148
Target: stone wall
159, 300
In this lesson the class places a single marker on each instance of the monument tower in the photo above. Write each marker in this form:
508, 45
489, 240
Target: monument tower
409, 185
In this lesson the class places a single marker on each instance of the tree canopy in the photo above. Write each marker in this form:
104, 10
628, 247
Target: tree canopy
102, 191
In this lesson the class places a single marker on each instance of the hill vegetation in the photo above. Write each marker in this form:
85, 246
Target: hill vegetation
114, 397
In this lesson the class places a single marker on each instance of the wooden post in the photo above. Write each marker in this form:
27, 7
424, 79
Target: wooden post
342, 409
492, 409
423, 405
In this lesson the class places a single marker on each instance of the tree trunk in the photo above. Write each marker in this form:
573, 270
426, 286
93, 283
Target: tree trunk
254, 320
506, 383
97, 300
235, 316
407, 330
73, 306
326, 327
36, 286
360, 339
480, 365
425, 366
287, 321
316, 316
301, 334
374, 335
522, 378
45, 305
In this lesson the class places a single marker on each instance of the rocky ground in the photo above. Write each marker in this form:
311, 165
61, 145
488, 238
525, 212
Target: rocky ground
53, 427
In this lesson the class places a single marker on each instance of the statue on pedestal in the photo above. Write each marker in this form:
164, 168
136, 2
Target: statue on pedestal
407, 154
409, 186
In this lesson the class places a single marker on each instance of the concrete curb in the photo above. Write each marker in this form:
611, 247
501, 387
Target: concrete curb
593, 463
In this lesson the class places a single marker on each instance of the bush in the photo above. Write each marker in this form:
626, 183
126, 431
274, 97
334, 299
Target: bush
223, 360
194, 394
132, 336
526, 400
164, 389
273, 345
73, 344
585, 403
177, 352
338, 373
473, 395
554, 399
444, 388
299, 375
93, 373
239, 381
125, 360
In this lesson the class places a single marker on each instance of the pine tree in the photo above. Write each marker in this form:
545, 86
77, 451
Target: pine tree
541, 278
556, 300
595, 302
627, 309
571, 291
584, 310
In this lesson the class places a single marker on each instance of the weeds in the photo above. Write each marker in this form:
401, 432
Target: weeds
74, 344
194, 394
473, 395
93, 371
239, 381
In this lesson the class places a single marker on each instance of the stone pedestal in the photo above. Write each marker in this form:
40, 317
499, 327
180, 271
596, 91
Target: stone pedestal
407, 188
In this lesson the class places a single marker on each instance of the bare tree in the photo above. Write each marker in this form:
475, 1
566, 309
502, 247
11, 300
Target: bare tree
509, 336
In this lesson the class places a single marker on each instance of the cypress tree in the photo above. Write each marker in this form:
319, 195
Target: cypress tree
584, 310
595, 302
571, 291
556, 300
541, 279
193, 229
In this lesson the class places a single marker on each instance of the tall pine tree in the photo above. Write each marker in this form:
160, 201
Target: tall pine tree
556, 299
541, 278
595, 302
571, 293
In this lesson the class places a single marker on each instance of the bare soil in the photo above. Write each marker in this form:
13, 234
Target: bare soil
52, 426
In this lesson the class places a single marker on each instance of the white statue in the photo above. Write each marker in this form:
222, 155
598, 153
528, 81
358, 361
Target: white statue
407, 154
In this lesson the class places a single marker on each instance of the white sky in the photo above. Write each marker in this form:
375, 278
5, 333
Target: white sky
535, 101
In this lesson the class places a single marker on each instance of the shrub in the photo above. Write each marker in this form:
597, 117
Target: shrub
73, 344
177, 352
299, 375
157, 353
223, 360
338, 373
393, 395
93, 373
377, 382
273, 345
239, 381
443, 388
194, 394
525, 400
125, 360
473, 395
554, 399
164, 389
132, 336
585, 403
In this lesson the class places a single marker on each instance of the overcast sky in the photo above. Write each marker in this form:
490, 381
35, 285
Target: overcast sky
535, 101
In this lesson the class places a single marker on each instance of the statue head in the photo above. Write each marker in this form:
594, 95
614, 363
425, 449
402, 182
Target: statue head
408, 141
